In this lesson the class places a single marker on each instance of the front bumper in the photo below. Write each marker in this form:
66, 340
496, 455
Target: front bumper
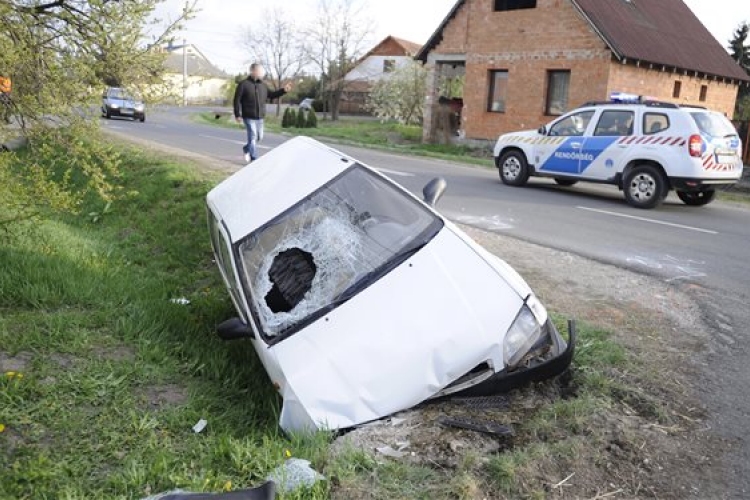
125, 112
505, 381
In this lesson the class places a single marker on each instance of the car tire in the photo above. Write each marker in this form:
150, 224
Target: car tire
645, 187
142, 119
697, 199
566, 182
108, 115
514, 169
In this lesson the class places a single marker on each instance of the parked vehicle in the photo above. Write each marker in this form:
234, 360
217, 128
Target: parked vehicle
646, 148
360, 299
117, 102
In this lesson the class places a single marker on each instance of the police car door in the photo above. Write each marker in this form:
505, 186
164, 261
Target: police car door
603, 150
560, 152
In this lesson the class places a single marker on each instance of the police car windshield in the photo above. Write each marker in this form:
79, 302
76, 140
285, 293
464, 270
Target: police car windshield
714, 124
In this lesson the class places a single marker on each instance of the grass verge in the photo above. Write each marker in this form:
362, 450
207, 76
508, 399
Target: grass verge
368, 133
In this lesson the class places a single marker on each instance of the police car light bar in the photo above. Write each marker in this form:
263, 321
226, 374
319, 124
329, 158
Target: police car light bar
625, 98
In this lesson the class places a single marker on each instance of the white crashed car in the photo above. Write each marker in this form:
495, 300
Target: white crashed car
360, 299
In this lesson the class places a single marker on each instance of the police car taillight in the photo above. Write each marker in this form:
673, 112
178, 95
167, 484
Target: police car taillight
695, 145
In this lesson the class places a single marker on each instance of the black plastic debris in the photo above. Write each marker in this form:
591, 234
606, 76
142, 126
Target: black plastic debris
499, 402
482, 426
266, 491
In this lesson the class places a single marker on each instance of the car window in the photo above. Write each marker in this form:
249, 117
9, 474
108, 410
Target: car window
714, 124
615, 124
573, 125
328, 248
223, 255
654, 123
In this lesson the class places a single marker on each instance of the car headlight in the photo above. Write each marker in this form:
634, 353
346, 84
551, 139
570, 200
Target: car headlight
114, 106
525, 331
139, 107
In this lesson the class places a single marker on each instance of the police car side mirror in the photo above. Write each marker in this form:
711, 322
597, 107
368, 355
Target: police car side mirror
542, 130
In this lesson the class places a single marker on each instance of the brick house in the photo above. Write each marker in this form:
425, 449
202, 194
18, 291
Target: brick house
526, 61
378, 63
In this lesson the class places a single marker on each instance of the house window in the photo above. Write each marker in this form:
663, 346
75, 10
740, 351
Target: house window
654, 123
615, 124
704, 93
498, 91
503, 5
558, 88
389, 65
677, 89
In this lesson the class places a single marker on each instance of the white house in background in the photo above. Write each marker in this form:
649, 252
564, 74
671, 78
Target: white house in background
205, 82
385, 57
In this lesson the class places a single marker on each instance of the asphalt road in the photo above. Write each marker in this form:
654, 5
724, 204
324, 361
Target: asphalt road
706, 249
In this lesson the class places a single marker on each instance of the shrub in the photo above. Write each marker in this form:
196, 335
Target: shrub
318, 105
301, 119
288, 120
312, 119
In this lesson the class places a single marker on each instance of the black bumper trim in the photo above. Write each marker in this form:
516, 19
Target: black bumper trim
504, 382
694, 185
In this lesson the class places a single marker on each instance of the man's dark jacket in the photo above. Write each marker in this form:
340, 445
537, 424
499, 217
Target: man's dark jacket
250, 98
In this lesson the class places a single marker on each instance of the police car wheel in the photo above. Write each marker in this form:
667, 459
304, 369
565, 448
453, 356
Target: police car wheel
644, 187
514, 170
566, 182
698, 199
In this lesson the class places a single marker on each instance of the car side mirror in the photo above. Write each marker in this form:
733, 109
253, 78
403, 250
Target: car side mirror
542, 130
233, 329
434, 190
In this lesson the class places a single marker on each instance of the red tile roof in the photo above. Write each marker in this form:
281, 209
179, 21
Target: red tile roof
662, 32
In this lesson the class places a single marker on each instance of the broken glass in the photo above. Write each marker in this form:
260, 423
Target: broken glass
329, 246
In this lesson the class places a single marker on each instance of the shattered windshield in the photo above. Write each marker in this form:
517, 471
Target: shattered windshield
329, 247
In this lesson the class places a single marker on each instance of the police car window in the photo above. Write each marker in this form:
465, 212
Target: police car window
615, 124
573, 125
654, 123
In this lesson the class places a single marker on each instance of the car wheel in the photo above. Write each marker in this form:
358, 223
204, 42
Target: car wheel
142, 118
645, 187
697, 199
108, 115
514, 169
566, 182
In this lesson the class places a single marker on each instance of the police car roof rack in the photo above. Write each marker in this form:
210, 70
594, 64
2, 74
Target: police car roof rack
649, 103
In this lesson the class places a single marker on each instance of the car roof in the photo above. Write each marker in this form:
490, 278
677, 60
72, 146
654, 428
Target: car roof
275, 183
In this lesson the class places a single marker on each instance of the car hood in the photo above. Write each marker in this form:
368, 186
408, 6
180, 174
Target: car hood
401, 340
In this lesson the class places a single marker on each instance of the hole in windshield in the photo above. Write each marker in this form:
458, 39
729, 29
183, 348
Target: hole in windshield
291, 275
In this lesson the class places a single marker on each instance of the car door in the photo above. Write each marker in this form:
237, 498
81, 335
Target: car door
560, 151
604, 149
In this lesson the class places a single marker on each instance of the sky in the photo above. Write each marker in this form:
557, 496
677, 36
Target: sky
217, 28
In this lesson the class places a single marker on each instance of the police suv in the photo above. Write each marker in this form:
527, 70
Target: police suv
644, 147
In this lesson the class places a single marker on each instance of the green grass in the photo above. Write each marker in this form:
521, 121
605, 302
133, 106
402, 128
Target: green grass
369, 133
116, 375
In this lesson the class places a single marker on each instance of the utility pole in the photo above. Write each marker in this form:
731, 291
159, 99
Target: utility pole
184, 72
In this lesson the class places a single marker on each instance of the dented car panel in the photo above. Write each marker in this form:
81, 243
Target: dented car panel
363, 301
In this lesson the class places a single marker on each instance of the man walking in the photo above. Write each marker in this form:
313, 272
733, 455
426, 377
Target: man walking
250, 107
